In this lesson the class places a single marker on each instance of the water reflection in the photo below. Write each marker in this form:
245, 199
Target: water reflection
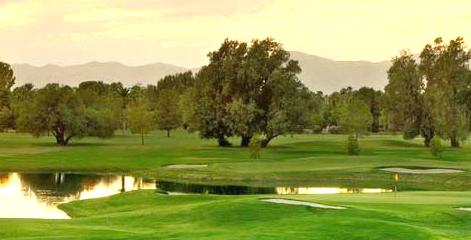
37, 195
327, 190
244, 190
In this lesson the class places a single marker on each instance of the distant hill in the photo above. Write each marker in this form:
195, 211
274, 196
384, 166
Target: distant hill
319, 74
98, 71
327, 75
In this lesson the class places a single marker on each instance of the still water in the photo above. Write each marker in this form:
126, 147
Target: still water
38, 195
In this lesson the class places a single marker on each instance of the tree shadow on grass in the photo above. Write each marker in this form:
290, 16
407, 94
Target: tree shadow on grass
72, 145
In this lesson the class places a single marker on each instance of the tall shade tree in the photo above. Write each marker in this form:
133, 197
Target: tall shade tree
291, 107
59, 110
234, 92
167, 112
140, 119
446, 71
404, 99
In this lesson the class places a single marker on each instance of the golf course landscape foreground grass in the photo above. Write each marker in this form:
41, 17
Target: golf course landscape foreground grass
426, 206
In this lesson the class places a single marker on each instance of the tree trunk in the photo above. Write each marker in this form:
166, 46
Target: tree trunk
264, 142
60, 140
222, 142
59, 135
245, 140
123, 186
454, 142
168, 132
428, 135
427, 141
66, 141
142, 137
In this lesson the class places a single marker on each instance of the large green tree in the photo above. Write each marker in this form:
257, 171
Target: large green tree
60, 111
236, 93
404, 99
55, 109
445, 68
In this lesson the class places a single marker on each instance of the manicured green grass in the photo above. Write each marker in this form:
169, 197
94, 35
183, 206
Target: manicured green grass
300, 160
148, 215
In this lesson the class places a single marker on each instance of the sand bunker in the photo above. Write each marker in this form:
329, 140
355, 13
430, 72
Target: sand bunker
464, 209
183, 166
177, 194
295, 202
421, 171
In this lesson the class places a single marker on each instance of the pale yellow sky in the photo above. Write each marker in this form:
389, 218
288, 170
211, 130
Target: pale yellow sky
182, 32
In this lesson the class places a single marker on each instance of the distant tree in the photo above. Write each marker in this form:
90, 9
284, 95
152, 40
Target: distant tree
187, 108
124, 95
140, 119
167, 112
320, 111
373, 99
19, 96
355, 117
334, 103
100, 123
179, 82
101, 102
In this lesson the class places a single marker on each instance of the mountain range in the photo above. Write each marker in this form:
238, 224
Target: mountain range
319, 74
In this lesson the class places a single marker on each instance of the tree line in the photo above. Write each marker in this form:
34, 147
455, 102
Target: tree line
252, 91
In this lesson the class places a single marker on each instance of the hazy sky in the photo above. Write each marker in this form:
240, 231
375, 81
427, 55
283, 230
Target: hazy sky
182, 32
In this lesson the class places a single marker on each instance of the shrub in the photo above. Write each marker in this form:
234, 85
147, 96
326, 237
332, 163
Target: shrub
353, 147
436, 147
255, 147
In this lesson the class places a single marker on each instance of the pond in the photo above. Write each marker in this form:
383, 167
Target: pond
28, 195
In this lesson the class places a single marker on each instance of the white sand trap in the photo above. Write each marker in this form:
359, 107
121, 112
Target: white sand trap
421, 171
302, 203
464, 209
183, 166
177, 194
